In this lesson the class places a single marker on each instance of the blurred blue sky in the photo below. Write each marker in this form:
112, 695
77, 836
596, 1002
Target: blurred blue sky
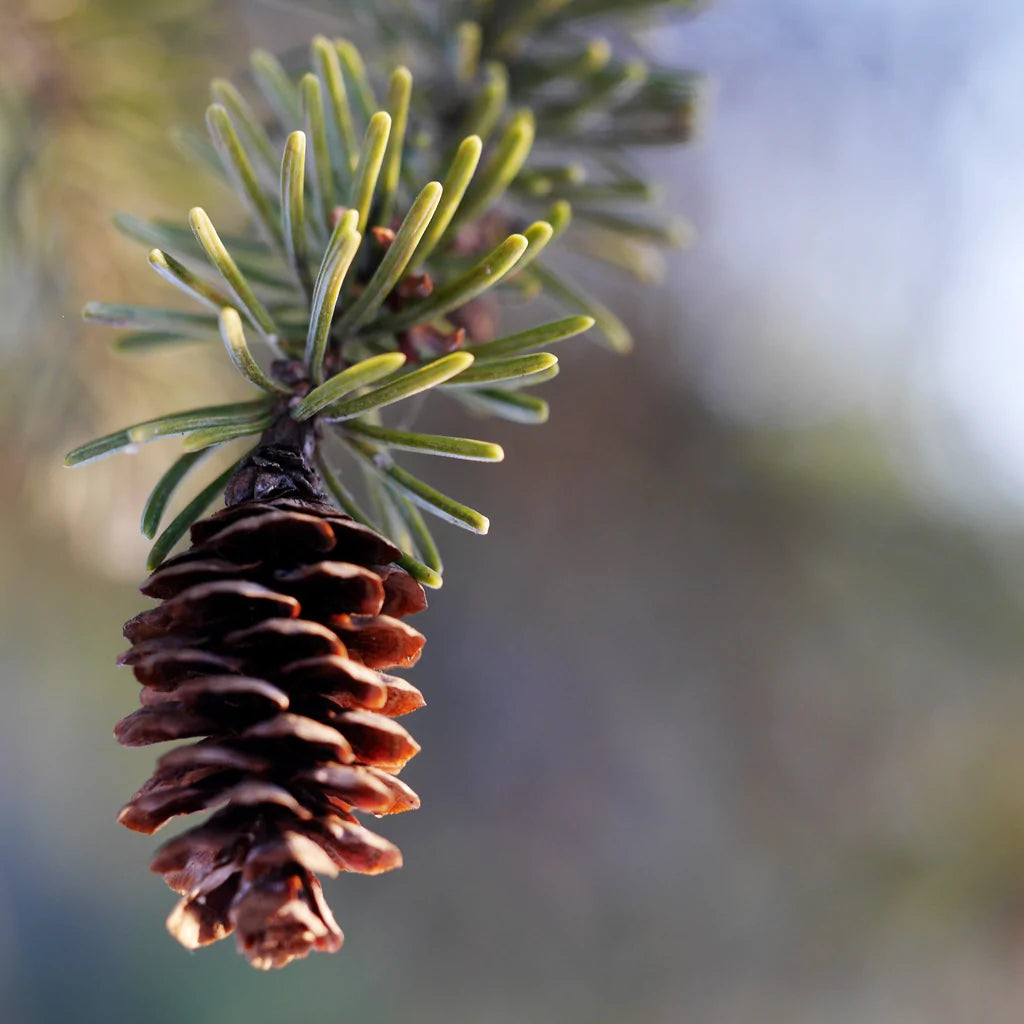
861, 228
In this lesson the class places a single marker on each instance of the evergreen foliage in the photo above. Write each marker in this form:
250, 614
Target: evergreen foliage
384, 220
594, 98
382, 223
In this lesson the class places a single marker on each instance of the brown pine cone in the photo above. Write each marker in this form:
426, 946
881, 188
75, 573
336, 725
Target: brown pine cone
269, 641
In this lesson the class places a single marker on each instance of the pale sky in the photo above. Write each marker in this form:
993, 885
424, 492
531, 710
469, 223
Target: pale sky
860, 203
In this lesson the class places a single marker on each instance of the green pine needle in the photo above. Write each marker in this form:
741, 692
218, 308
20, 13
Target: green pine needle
419, 533
509, 156
396, 259
468, 44
420, 493
225, 93
501, 370
371, 157
293, 208
156, 503
559, 217
199, 440
341, 251
671, 233
277, 88
187, 516
428, 444
218, 255
240, 171
145, 318
313, 116
507, 405
384, 510
614, 330
234, 341
454, 186
328, 68
406, 386
163, 426
422, 574
355, 71
534, 337
184, 280
399, 95
119, 441
489, 103
537, 235
368, 371
235, 414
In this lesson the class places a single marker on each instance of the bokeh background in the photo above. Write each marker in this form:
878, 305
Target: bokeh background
725, 716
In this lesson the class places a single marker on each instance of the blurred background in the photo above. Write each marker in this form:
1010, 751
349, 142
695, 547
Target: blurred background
725, 715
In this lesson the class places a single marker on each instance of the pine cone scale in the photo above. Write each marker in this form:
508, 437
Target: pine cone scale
193, 692
275, 642
164, 665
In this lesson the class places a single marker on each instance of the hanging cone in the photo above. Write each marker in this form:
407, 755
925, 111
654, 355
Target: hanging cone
269, 641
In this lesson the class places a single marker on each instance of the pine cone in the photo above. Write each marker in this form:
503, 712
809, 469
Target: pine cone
269, 641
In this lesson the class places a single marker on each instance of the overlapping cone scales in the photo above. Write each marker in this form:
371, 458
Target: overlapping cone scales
267, 649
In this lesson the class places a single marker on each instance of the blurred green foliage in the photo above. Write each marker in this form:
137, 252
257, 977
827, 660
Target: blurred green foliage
88, 91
